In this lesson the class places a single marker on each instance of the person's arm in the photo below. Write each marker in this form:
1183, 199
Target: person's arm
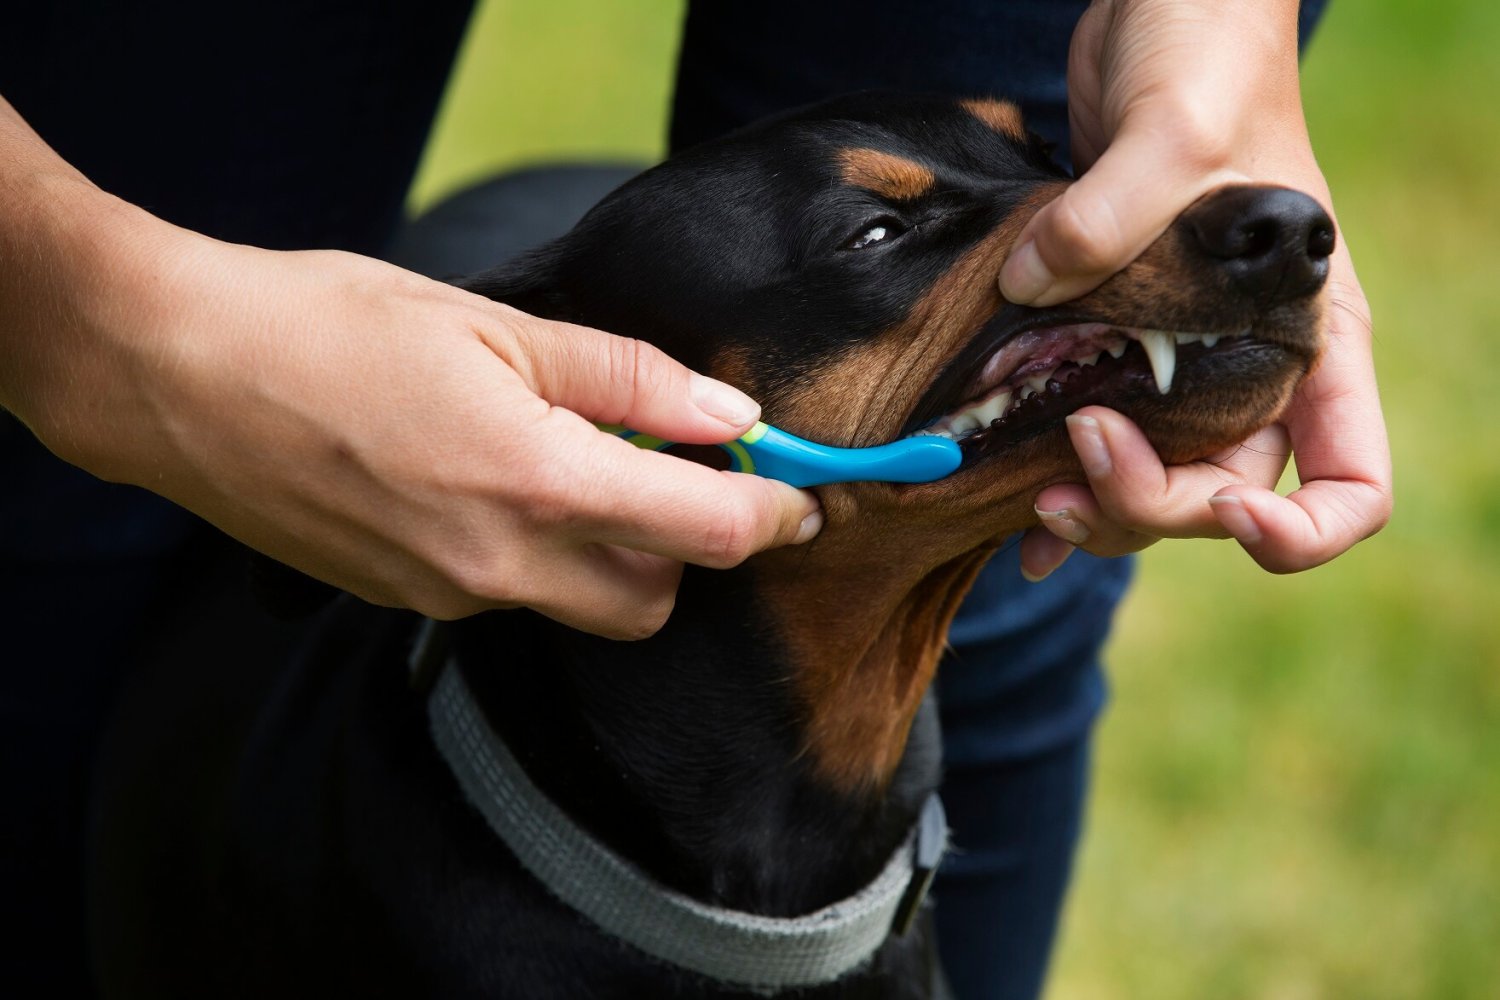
403, 439
1170, 99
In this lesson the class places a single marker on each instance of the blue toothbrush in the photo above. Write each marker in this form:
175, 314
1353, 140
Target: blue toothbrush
773, 453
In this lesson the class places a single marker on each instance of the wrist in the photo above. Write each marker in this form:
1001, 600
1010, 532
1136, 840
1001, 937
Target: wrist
1214, 86
77, 275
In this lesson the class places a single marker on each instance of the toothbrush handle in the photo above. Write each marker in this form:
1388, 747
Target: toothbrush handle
793, 460
773, 453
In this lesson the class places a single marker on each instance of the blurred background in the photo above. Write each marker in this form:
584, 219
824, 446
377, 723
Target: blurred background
1298, 782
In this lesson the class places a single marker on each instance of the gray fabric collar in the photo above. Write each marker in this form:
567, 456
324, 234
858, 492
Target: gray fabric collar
757, 952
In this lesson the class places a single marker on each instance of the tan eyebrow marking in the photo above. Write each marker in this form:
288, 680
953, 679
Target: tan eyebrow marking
1002, 116
887, 174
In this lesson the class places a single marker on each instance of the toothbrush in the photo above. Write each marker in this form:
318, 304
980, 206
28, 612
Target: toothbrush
768, 451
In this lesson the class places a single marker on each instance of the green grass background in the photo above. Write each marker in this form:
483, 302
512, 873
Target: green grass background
1298, 790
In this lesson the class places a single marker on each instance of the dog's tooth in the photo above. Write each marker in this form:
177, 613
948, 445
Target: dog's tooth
1210, 339
992, 409
940, 428
1025, 392
1039, 381
963, 422
1092, 359
1117, 349
1161, 351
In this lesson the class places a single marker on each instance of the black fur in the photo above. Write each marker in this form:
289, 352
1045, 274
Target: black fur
747, 243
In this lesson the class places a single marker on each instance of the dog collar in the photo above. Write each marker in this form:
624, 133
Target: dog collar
743, 949
771, 452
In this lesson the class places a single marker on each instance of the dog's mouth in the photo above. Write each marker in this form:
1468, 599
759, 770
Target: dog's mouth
1002, 390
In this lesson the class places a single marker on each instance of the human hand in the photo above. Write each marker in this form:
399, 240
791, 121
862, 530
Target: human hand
1170, 99
408, 441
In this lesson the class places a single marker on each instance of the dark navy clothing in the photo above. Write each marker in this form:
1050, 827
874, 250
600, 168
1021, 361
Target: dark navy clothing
284, 124
298, 123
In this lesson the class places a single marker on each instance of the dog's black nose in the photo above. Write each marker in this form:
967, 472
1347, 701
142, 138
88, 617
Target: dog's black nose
1273, 242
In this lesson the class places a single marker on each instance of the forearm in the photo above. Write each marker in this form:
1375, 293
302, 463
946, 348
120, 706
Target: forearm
70, 256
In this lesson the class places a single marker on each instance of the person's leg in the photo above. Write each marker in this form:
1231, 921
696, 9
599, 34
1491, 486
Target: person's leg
1018, 695
1000, 894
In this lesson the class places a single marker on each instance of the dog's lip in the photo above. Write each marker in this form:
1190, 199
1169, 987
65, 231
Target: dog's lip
1023, 362
946, 387
952, 386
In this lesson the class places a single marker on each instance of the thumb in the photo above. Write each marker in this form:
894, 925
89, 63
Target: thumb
1103, 221
620, 380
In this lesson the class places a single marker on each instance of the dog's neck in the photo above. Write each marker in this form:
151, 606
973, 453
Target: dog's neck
754, 754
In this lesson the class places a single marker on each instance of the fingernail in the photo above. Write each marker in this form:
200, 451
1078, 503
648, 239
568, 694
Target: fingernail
1088, 441
810, 526
723, 402
1063, 524
1024, 277
1233, 514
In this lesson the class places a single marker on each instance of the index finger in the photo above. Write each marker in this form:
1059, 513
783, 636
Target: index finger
616, 493
621, 380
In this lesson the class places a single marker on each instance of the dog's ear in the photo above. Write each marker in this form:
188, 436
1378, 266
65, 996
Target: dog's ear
532, 283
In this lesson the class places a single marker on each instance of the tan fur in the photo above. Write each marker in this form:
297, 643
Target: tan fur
1002, 116
888, 175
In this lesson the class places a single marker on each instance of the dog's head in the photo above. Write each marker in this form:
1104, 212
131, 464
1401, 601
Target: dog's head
840, 264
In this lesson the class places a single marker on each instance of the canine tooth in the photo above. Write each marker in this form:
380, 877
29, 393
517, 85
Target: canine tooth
1210, 339
1161, 351
1025, 392
1116, 349
1039, 382
1092, 359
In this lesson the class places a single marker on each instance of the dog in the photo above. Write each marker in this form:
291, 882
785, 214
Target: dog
766, 753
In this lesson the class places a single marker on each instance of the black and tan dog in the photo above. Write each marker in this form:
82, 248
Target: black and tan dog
764, 752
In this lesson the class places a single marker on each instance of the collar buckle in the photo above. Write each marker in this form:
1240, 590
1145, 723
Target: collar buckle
927, 854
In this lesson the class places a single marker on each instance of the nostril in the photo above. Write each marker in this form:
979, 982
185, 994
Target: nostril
1273, 243
1320, 240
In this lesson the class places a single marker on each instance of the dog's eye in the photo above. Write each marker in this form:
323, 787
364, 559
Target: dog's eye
878, 232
